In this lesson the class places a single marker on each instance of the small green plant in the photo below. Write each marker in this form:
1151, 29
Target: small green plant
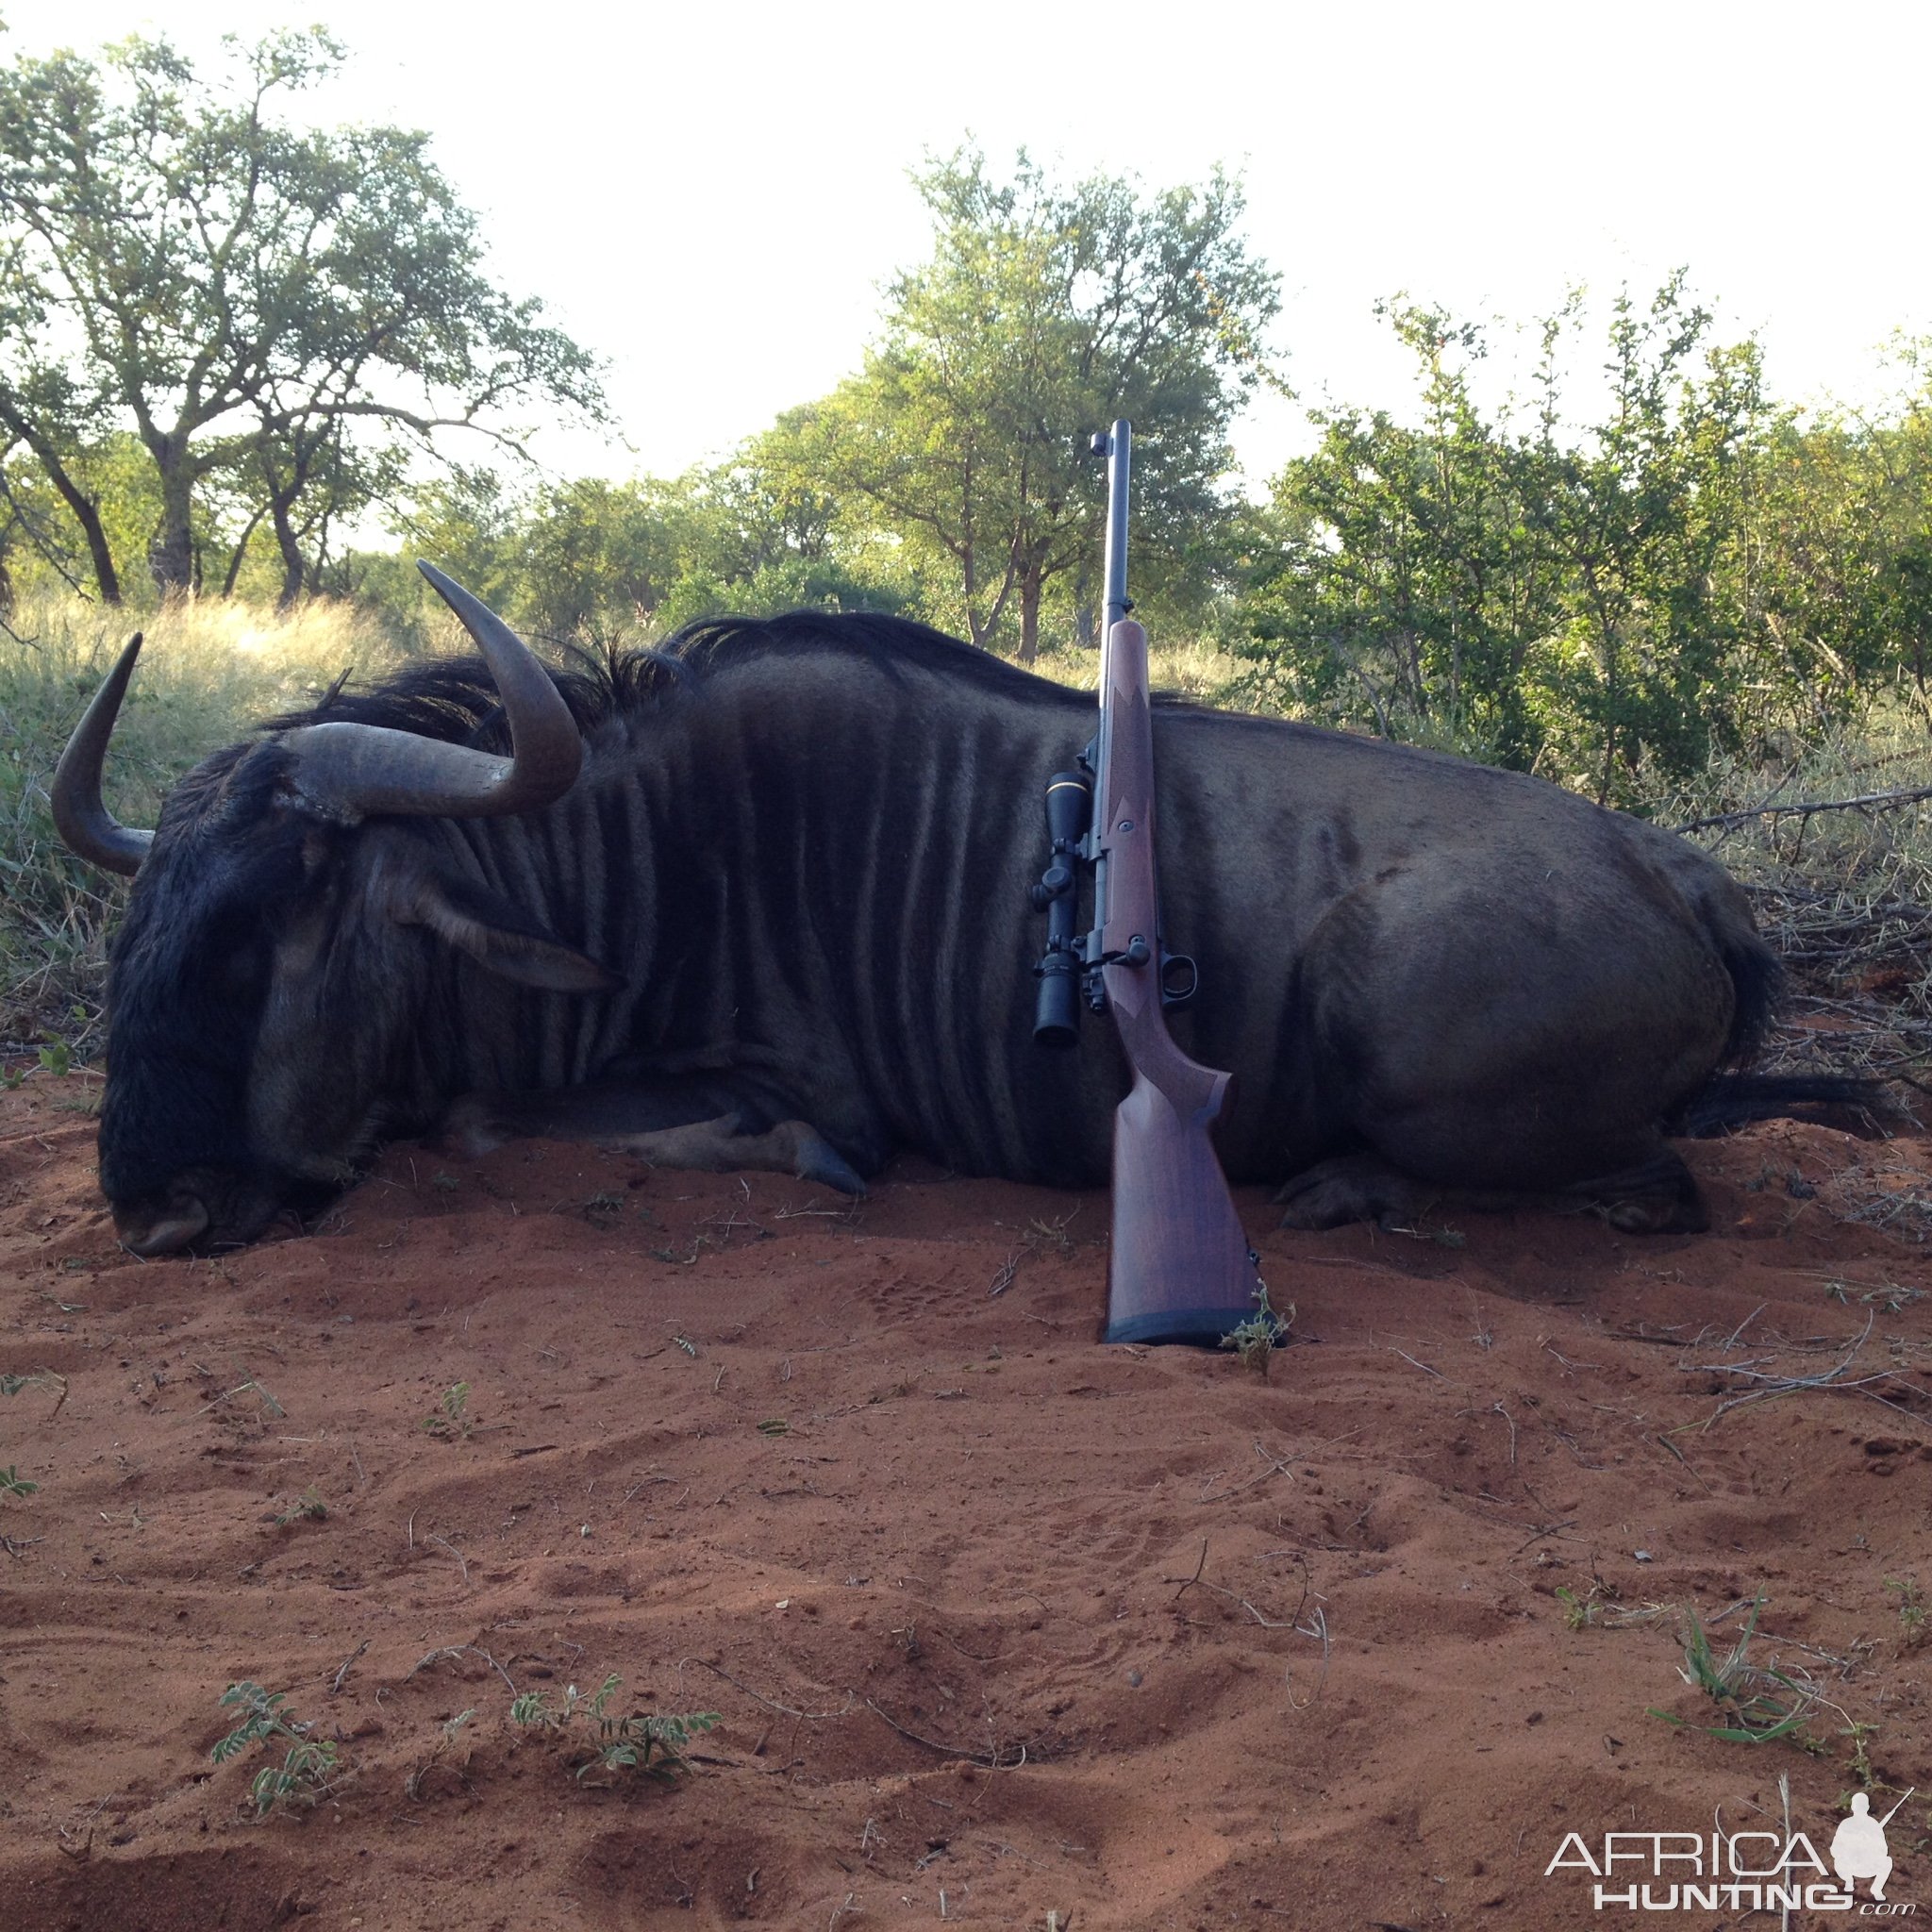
1579, 1612
1861, 1736
13, 1484
1761, 1704
56, 1058
1256, 1338
450, 1419
12, 1077
308, 1506
306, 1763
41, 1378
1912, 1609
646, 1743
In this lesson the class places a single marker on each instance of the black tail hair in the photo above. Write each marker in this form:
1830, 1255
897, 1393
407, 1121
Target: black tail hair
1735, 1100
1758, 980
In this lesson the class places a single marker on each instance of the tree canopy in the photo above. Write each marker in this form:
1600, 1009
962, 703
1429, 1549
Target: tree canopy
271, 312
1045, 313
229, 337
1609, 601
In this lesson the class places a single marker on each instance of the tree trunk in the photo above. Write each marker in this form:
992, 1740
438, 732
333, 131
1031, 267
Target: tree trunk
293, 568
240, 552
86, 510
1032, 581
1086, 626
87, 513
171, 550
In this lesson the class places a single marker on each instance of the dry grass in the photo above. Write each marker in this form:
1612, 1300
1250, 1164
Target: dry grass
1188, 667
207, 672
1845, 893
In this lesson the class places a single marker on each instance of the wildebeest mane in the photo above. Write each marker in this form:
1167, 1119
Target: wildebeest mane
454, 698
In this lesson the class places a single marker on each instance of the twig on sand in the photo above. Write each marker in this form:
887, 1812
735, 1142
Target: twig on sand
454, 1552
1272, 1465
1188, 1583
347, 1661
459, 1650
1770, 1384
993, 1759
783, 1709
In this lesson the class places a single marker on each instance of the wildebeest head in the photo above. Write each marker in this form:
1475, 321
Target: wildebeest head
260, 985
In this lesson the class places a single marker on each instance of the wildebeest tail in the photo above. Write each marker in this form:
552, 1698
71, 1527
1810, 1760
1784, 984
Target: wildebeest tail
1735, 1100
1758, 980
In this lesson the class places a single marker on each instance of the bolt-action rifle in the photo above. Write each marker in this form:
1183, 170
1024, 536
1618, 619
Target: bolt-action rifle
1180, 1269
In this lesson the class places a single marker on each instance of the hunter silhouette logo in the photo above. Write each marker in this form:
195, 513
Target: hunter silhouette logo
1858, 1849
1743, 1870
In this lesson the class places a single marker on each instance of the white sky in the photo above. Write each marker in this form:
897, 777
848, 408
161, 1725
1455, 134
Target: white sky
712, 196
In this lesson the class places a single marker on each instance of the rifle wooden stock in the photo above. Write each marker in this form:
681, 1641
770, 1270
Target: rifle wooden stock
1180, 1269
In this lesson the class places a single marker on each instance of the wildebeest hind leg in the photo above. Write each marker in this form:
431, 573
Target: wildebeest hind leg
1656, 1197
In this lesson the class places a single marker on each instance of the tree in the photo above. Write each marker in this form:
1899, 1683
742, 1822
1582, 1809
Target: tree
1043, 314
1576, 598
1651, 515
46, 413
244, 295
1406, 586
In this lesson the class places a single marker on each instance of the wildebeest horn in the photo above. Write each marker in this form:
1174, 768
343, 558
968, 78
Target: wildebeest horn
85, 825
371, 769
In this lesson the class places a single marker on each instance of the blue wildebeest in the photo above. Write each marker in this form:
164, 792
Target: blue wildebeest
758, 900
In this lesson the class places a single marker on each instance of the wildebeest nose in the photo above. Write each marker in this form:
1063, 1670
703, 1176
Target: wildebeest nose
166, 1232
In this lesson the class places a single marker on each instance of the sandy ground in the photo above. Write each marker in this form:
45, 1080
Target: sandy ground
999, 1622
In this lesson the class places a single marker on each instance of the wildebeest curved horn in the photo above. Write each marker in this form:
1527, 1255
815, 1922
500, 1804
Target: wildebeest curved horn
85, 825
368, 769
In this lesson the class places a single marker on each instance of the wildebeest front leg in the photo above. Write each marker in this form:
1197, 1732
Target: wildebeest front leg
687, 1122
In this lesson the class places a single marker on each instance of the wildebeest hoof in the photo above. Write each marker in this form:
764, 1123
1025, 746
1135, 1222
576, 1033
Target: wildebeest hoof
820, 1162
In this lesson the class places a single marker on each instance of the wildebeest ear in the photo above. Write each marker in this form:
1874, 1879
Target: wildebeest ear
501, 937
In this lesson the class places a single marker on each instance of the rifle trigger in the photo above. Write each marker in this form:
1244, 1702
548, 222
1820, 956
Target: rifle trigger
1180, 979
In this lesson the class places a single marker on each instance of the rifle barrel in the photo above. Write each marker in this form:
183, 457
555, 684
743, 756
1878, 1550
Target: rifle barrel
1120, 445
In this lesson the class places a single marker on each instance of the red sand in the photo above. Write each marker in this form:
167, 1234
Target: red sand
999, 1622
